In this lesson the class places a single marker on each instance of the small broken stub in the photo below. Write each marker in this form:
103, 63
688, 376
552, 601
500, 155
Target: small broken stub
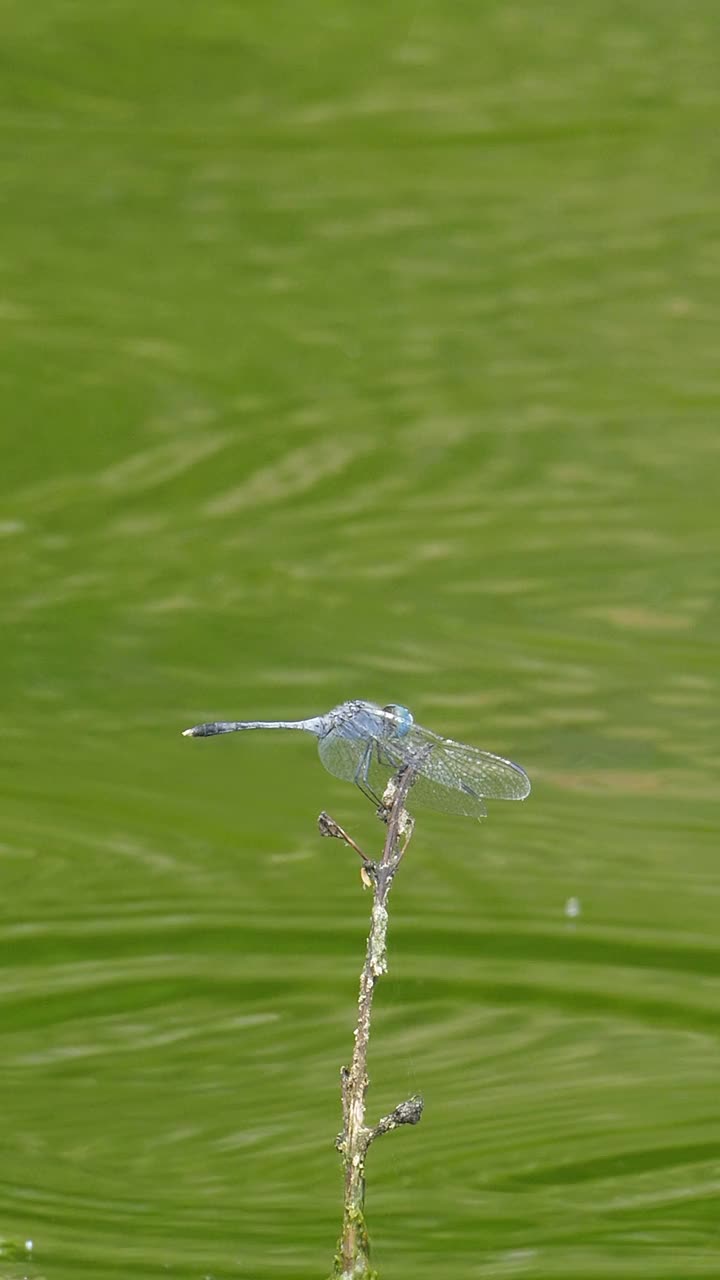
388, 800
389, 794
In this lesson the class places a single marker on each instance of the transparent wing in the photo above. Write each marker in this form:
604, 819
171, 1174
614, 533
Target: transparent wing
438, 795
370, 761
352, 748
457, 768
453, 778
342, 755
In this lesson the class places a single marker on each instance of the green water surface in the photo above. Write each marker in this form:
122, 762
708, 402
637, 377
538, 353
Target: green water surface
358, 351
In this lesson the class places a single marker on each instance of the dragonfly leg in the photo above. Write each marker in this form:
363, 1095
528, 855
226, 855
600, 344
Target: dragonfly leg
362, 777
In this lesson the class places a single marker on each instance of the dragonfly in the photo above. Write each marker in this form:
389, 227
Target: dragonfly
364, 743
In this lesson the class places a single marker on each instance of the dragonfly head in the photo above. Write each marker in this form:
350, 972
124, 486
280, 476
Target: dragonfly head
400, 719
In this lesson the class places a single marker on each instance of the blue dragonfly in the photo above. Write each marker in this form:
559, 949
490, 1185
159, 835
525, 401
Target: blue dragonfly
365, 744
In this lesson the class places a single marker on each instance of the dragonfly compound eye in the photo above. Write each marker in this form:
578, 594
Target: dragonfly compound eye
401, 717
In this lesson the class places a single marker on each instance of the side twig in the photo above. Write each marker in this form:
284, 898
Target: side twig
352, 1261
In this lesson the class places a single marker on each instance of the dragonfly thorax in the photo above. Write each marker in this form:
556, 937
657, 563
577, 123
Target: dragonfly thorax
400, 719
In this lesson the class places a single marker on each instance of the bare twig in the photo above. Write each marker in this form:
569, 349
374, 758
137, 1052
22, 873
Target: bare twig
353, 1257
329, 827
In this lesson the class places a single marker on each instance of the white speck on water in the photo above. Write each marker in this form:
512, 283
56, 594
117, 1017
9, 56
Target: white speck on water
573, 908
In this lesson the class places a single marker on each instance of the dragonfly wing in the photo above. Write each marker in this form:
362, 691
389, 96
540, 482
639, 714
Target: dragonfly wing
452, 778
458, 777
368, 760
372, 762
342, 755
434, 794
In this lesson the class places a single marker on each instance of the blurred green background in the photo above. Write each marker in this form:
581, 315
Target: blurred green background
358, 351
